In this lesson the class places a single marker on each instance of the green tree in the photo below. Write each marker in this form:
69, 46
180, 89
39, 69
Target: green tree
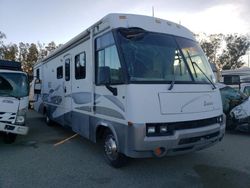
211, 46
51, 47
32, 57
236, 47
2, 36
10, 52
42, 51
23, 52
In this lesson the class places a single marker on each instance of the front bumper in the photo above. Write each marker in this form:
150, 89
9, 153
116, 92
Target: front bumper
182, 141
11, 128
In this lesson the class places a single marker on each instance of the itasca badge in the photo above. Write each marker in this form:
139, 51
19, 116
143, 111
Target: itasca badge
208, 103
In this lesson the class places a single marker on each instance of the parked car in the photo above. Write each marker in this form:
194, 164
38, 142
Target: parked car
236, 106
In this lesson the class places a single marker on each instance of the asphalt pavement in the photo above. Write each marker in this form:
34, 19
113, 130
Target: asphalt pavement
44, 158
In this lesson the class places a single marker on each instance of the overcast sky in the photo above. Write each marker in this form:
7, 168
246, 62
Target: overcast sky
60, 20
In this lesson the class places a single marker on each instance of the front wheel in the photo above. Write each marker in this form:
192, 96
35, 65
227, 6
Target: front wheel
111, 154
9, 138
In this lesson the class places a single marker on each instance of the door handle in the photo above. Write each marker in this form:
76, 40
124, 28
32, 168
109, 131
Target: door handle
65, 89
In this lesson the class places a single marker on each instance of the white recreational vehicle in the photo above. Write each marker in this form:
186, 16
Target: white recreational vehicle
140, 83
14, 91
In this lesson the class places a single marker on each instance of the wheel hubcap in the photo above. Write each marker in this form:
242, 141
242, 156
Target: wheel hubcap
110, 147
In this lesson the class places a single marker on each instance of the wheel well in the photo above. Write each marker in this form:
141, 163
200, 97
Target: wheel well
100, 132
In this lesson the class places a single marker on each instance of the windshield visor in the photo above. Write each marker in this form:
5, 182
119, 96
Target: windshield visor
13, 85
155, 57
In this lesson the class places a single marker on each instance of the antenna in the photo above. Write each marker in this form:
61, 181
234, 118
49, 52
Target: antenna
153, 11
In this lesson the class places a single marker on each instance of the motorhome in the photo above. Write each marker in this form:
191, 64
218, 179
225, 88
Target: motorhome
13, 100
140, 84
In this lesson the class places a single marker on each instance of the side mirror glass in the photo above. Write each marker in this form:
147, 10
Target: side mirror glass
104, 75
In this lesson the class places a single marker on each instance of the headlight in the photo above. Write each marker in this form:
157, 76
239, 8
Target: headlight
237, 112
20, 119
151, 130
157, 129
163, 129
220, 119
21, 116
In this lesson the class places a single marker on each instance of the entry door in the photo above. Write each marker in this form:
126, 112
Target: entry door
67, 90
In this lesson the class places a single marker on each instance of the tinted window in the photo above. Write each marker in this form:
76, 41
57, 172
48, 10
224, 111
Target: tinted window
67, 69
80, 66
59, 72
37, 73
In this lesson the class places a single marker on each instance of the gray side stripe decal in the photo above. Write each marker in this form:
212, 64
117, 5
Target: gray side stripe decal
103, 111
81, 97
109, 112
84, 108
115, 101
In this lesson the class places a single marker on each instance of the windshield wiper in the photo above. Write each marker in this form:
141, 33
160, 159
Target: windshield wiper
194, 63
172, 82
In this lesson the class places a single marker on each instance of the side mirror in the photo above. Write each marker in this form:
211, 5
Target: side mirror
37, 86
104, 75
104, 79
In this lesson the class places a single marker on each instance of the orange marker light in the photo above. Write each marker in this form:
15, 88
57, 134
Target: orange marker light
158, 151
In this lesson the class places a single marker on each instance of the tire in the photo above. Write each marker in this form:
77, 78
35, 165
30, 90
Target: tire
110, 149
9, 138
48, 121
230, 124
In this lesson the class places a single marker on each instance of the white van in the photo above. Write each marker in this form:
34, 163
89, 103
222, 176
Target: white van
14, 91
140, 83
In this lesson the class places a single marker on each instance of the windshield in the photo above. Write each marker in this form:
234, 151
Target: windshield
161, 57
13, 84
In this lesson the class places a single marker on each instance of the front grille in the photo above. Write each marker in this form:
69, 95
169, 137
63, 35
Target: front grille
192, 124
198, 138
171, 127
7, 117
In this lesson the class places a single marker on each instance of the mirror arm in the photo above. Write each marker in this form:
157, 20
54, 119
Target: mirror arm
113, 90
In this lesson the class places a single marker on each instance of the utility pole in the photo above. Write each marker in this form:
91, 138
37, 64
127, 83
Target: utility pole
153, 11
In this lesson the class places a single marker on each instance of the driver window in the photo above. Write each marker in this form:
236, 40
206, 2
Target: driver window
107, 56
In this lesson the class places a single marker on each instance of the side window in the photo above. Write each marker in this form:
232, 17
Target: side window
107, 60
67, 69
59, 72
80, 66
38, 73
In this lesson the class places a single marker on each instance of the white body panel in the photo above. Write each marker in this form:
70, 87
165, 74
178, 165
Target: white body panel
155, 103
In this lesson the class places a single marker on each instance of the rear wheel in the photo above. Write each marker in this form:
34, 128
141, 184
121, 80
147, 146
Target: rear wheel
111, 154
9, 138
